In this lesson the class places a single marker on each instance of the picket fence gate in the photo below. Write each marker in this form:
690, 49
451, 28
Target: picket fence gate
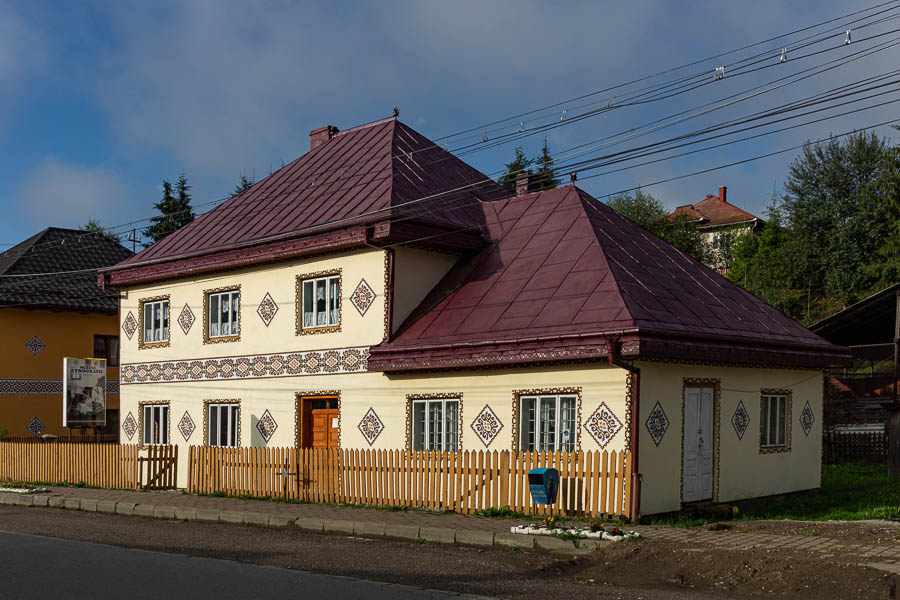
591, 483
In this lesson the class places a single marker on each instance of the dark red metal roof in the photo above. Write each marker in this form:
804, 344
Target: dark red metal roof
713, 210
563, 264
364, 174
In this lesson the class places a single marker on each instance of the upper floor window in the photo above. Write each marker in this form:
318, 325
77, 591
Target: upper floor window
224, 314
224, 424
107, 346
321, 302
156, 424
775, 421
435, 424
155, 321
547, 422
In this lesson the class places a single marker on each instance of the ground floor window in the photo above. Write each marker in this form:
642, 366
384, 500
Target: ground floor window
435, 424
156, 424
774, 421
548, 422
224, 421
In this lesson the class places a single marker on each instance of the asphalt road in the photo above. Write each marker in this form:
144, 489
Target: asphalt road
132, 557
32, 566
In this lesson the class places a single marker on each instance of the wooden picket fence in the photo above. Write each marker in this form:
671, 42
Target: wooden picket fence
852, 446
102, 465
591, 483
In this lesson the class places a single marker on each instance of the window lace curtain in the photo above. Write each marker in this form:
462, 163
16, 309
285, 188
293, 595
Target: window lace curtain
334, 294
322, 315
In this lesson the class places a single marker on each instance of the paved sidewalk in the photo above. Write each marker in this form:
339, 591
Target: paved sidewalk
410, 524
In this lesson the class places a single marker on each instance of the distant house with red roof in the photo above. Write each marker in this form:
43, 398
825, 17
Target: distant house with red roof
721, 223
379, 293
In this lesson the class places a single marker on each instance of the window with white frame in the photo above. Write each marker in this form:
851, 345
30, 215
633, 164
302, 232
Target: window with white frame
773, 419
156, 321
435, 424
224, 317
156, 424
321, 302
547, 422
223, 424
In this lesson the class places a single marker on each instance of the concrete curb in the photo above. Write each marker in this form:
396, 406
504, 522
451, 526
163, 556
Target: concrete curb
368, 529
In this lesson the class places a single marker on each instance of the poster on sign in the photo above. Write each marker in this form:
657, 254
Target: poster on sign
84, 392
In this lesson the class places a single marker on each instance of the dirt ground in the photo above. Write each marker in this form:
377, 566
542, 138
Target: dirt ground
736, 573
870, 533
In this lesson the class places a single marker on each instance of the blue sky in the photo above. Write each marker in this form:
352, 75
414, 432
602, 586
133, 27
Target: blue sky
101, 101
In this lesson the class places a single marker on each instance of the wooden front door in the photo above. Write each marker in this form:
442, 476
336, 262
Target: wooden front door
318, 422
325, 428
697, 467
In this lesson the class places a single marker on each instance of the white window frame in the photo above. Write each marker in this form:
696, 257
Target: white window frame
159, 437
529, 427
767, 437
232, 412
427, 444
155, 308
234, 320
332, 316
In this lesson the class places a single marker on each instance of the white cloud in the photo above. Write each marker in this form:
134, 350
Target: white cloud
63, 194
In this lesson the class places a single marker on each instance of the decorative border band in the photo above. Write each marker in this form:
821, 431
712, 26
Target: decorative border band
43, 387
285, 364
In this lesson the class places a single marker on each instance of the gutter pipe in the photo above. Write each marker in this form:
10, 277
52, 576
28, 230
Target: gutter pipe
615, 360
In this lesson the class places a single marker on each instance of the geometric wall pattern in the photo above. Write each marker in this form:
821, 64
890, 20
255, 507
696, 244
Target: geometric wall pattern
35, 345
186, 319
657, 423
43, 387
129, 325
186, 426
362, 297
740, 420
267, 309
486, 425
129, 426
603, 425
266, 425
371, 426
35, 426
286, 364
807, 419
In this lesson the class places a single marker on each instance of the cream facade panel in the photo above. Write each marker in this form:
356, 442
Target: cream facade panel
741, 470
416, 272
387, 397
279, 282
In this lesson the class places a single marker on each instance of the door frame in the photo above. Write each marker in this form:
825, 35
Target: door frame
715, 384
298, 412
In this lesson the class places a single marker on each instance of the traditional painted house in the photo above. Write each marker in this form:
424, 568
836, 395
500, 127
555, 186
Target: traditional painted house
59, 312
378, 292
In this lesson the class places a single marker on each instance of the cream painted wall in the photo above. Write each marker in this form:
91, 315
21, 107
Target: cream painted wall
279, 280
743, 471
387, 396
416, 272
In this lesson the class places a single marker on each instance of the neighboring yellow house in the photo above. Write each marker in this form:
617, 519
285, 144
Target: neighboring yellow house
45, 318
378, 292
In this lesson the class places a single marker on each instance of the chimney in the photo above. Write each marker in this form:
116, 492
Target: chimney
319, 136
722, 191
523, 182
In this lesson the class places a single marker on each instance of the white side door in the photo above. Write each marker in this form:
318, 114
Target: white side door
691, 466
697, 471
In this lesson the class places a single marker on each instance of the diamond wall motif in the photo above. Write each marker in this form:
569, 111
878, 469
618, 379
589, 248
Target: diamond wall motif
129, 325
807, 419
186, 319
266, 425
35, 345
657, 423
486, 425
740, 420
129, 426
35, 426
186, 426
603, 425
267, 309
371, 426
362, 297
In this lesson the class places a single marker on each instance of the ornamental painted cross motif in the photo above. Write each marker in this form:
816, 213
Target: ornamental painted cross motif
371, 426
35, 426
267, 309
486, 425
603, 425
186, 319
362, 297
35, 345
740, 420
657, 423
186, 426
266, 426
807, 419
129, 325
129, 426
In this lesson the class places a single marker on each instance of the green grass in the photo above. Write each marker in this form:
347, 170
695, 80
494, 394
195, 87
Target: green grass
848, 493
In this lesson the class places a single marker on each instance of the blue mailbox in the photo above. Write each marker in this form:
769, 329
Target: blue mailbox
544, 484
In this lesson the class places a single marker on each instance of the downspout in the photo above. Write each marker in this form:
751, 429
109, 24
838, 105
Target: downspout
636, 477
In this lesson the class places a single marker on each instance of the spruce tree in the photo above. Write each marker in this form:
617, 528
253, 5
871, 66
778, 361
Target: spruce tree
243, 183
94, 226
545, 177
175, 211
515, 168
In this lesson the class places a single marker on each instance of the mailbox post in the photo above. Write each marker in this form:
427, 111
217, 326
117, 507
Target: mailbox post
544, 486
